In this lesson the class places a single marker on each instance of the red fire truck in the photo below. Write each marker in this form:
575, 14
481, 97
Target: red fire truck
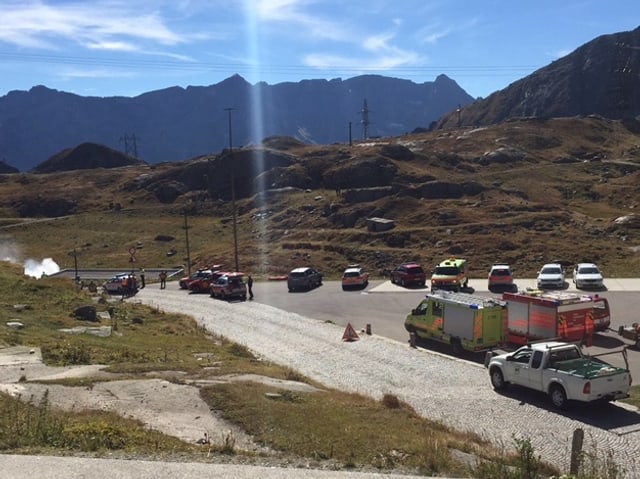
537, 315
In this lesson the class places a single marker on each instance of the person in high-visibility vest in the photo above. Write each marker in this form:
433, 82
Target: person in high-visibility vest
589, 328
562, 327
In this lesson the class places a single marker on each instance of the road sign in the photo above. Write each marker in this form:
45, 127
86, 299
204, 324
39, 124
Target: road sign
132, 251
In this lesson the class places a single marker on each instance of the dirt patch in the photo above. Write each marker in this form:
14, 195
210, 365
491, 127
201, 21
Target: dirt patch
174, 409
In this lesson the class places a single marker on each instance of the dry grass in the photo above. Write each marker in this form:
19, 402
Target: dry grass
557, 201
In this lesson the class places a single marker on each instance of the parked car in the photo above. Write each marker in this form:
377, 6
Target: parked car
354, 276
185, 280
119, 282
202, 284
229, 285
303, 278
407, 274
500, 277
551, 275
587, 275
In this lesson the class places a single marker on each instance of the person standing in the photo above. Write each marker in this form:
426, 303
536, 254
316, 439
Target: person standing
250, 286
142, 283
163, 279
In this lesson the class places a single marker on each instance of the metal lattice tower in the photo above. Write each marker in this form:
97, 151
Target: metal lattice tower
365, 120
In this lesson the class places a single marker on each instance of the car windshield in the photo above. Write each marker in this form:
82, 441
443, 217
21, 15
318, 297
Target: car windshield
588, 270
500, 272
447, 270
551, 270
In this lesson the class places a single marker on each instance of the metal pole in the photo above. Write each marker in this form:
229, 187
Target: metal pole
186, 233
233, 194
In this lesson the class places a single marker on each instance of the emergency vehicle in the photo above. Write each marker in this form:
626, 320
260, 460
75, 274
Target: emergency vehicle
474, 323
466, 322
537, 315
451, 274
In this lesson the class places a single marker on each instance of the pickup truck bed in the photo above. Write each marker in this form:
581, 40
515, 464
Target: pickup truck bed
588, 369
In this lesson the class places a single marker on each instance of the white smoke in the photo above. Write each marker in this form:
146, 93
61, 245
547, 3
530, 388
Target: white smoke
12, 253
36, 268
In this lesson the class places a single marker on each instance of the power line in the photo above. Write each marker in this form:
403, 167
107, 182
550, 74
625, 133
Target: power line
474, 70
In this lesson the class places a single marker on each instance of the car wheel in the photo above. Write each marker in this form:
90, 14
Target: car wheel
223, 296
402, 282
456, 346
497, 379
558, 396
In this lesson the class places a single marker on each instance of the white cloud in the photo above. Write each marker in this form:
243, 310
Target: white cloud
36, 24
111, 46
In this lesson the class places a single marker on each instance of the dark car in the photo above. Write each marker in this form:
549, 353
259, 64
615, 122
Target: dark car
303, 278
408, 274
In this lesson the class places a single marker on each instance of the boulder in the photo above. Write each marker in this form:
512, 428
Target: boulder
86, 313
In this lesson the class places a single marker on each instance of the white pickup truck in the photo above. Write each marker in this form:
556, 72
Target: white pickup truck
560, 370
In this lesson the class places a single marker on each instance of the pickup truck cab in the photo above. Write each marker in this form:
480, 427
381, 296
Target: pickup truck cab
560, 370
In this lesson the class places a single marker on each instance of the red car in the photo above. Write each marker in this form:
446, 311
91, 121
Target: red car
408, 274
229, 285
184, 281
203, 283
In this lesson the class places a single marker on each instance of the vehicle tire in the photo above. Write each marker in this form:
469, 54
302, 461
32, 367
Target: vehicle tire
222, 295
456, 346
119, 291
497, 379
244, 297
393, 280
402, 282
196, 289
558, 396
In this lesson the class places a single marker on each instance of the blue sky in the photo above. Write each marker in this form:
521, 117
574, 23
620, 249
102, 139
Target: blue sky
128, 47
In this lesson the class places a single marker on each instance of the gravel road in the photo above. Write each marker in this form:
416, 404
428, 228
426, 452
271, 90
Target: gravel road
455, 392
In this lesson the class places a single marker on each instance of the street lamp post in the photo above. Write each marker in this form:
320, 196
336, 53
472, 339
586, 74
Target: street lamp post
233, 193
74, 253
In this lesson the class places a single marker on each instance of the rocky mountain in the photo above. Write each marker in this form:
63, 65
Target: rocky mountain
175, 124
599, 78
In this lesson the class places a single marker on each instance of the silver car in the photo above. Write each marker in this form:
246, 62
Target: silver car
551, 275
587, 275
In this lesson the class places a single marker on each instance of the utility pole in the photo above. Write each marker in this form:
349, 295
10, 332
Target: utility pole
74, 253
186, 234
233, 193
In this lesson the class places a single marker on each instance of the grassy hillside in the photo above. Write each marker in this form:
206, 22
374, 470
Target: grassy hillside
524, 192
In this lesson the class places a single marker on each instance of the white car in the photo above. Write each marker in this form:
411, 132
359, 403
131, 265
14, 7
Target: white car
587, 275
551, 275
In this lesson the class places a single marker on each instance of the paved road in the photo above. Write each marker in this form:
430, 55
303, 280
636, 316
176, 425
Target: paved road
384, 305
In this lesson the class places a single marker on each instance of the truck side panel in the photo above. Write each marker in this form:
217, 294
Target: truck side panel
542, 321
459, 321
527, 320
